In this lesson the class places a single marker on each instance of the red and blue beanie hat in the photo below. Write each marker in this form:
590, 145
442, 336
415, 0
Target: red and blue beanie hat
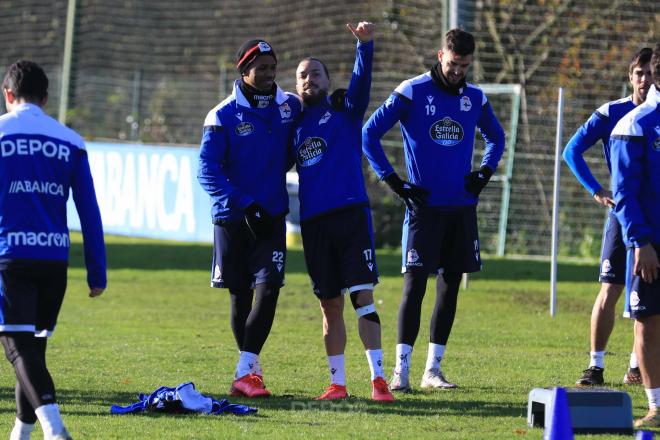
249, 51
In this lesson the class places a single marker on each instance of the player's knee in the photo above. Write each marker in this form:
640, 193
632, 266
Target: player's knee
362, 298
364, 307
18, 346
610, 293
332, 308
414, 284
452, 279
267, 293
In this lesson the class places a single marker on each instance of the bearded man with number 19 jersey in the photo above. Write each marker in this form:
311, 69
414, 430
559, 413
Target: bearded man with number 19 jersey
439, 115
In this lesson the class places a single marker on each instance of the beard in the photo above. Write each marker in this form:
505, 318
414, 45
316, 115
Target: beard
313, 97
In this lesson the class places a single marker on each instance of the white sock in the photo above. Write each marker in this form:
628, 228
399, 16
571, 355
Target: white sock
257, 368
375, 358
633, 360
433, 359
403, 358
50, 420
597, 359
653, 395
246, 363
21, 431
337, 369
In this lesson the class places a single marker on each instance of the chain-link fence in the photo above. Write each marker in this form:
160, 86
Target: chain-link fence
148, 71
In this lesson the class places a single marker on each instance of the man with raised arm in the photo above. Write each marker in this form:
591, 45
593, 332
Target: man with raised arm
334, 209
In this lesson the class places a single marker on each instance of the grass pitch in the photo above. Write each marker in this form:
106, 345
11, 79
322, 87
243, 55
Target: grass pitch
159, 323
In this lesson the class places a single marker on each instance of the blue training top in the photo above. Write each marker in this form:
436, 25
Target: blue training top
40, 161
597, 127
438, 130
327, 146
635, 154
243, 154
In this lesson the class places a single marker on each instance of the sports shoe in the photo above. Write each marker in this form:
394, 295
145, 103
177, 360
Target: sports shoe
249, 385
434, 379
650, 420
592, 376
64, 435
400, 382
334, 392
379, 390
233, 392
632, 377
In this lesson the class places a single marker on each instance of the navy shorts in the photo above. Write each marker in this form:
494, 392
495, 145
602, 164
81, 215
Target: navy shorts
438, 239
339, 252
613, 253
31, 295
644, 298
241, 262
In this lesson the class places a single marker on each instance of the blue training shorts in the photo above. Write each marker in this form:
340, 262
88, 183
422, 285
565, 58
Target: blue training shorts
613, 253
240, 261
31, 294
438, 239
339, 252
644, 297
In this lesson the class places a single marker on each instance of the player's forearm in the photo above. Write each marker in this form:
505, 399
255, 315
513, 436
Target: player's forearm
360, 85
373, 151
573, 157
92, 230
493, 135
380, 122
214, 181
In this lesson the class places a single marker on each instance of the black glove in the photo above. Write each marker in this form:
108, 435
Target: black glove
259, 221
338, 99
412, 195
476, 181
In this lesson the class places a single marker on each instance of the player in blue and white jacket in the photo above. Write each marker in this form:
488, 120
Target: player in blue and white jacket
439, 114
242, 165
613, 253
334, 209
40, 162
635, 156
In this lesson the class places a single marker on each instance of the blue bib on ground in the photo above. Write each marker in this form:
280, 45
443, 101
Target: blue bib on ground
182, 399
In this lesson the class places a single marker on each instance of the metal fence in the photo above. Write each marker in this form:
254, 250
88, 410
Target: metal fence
148, 71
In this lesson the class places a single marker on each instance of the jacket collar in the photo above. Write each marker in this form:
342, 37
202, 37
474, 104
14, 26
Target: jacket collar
280, 96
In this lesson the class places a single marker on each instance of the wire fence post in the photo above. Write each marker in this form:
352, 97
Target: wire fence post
555, 203
66, 61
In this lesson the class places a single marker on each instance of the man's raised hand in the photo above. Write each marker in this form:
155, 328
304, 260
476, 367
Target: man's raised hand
364, 31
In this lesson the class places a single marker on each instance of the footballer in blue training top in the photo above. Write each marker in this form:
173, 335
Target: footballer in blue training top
635, 157
613, 254
334, 208
439, 114
41, 160
242, 166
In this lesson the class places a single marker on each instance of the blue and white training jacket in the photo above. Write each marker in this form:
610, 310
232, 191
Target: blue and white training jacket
635, 154
40, 161
438, 130
327, 146
243, 154
597, 127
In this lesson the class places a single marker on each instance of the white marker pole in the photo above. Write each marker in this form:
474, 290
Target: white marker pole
555, 203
